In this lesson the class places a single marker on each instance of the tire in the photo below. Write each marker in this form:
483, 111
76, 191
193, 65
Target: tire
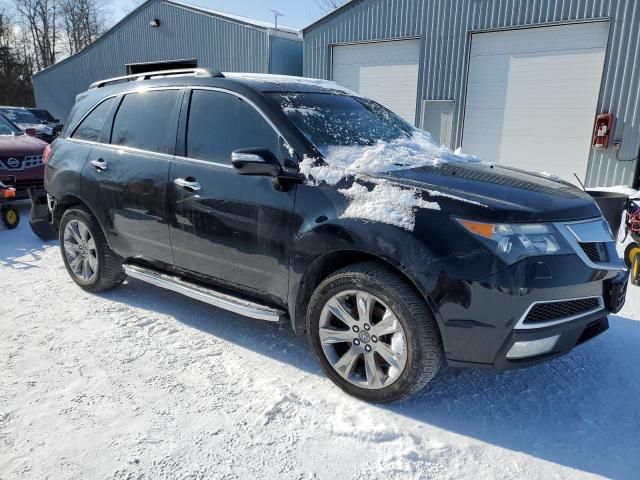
10, 217
105, 266
630, 252
415, 364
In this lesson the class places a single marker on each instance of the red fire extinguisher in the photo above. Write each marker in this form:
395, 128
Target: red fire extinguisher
602, 131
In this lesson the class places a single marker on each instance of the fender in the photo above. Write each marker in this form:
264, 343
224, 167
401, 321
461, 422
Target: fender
332, 244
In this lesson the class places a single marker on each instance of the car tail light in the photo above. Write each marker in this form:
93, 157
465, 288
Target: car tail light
46, 154
8, 192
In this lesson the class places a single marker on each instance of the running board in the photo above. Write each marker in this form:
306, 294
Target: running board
204, 294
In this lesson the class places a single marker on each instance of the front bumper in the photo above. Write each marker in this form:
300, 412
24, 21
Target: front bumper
481, 330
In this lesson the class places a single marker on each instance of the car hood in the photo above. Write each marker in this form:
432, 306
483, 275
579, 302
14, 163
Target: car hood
498, 193
20, 146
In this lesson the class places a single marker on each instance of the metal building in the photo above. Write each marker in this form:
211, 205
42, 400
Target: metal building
162, 34
518, 82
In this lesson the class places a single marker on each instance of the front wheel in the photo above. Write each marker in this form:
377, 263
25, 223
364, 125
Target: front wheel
86, 254
373, 334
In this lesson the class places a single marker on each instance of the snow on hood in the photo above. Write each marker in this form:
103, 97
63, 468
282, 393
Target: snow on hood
386, 202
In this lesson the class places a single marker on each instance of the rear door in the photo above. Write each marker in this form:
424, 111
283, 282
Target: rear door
235, 228
126, 175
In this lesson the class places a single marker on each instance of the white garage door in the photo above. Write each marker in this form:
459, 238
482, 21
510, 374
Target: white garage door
532, 96
387, 72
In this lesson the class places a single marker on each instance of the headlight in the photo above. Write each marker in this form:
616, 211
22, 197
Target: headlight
514, 241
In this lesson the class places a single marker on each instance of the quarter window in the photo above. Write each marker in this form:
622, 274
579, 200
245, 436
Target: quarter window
90, 128
146, 120
220, 123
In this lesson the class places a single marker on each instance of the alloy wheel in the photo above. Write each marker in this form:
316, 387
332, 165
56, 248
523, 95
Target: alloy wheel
80, 250
362, 339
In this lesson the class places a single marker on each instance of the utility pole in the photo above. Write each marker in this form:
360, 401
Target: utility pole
276, 14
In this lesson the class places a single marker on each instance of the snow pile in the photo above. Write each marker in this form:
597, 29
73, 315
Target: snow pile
386, 203
404, 152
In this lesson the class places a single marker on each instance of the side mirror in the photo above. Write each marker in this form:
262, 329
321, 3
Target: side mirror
256, 161
31, 132
56, 120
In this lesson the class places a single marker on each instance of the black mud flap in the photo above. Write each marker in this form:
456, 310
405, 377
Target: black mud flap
40, 218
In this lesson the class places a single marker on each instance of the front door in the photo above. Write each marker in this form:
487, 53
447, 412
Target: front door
237, 229
127, 174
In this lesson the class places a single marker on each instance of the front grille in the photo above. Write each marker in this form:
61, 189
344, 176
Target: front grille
20, 163
596, 252
552, 311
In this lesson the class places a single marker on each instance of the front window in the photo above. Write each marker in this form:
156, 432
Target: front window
18, 115
43, 115
7, 128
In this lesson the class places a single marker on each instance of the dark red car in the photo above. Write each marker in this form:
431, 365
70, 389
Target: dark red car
20, 157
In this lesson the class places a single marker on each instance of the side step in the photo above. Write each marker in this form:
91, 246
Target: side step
204, 294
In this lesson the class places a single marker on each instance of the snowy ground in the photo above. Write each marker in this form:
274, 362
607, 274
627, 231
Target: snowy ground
141, 383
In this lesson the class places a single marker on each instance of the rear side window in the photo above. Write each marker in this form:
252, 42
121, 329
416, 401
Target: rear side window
90, 128
220, 123
146, 120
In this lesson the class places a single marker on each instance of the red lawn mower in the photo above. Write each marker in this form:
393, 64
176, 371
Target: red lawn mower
8, 214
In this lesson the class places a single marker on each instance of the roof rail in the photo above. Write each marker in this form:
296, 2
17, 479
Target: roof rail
196, 72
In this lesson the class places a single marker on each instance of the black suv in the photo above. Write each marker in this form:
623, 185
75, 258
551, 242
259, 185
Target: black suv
290, 198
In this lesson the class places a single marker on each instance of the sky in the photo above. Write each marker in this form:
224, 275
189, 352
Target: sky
297, 13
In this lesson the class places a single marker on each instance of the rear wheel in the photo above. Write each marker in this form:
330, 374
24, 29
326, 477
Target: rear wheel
87, 256
373, 334
10, 216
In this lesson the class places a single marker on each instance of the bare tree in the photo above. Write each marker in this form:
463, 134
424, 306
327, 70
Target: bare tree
39, 18
330, 5
16, 66
83, 21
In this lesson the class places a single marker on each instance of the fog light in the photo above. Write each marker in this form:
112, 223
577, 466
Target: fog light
532, 347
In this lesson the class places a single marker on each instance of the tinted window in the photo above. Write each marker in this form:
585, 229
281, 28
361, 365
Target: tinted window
90, 128
147, 121
220, 123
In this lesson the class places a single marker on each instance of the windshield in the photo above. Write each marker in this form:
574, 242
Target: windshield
18, 115
329, 120
7, 128
43, 115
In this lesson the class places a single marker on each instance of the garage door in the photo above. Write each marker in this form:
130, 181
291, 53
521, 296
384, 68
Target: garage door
387, 72
532, 96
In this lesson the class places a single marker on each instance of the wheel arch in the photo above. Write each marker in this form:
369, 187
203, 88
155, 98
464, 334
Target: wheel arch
326, 264
65, 203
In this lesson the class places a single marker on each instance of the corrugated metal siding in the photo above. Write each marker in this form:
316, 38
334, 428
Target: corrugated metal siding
444, 27
286, 56
214, 42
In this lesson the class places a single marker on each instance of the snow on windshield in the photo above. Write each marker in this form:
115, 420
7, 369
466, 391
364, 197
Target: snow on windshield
357, 137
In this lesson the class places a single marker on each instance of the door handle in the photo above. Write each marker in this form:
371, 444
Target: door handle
100, 164
188, 184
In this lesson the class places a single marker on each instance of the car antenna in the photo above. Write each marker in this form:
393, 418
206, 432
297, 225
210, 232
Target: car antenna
579, 181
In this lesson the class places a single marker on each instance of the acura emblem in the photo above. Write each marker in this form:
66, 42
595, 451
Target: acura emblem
13, 163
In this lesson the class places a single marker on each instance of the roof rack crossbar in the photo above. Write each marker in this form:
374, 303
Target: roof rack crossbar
197, 72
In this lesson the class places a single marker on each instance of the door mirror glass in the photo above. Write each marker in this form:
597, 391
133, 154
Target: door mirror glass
255, 161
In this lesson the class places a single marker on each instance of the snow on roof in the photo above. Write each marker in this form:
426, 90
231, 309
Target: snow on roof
289, 79
239, 18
